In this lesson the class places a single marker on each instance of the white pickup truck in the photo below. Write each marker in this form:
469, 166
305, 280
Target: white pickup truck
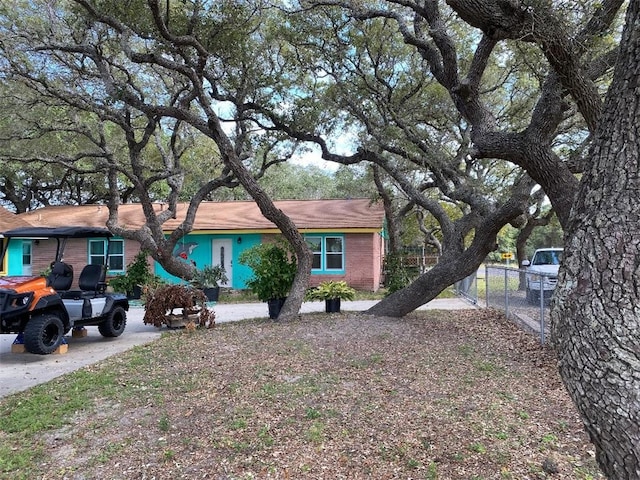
543, 266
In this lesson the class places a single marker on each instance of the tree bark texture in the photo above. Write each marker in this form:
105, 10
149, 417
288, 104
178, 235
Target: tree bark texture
288, 228
596, 310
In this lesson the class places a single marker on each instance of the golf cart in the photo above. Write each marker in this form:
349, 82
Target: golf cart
42, 309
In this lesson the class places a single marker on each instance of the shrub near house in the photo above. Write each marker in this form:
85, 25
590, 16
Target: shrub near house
274, 268
208, 279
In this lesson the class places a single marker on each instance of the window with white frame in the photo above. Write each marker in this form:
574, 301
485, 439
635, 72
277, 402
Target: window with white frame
315, 245
26, 253
98, 249
328, 252
334, 253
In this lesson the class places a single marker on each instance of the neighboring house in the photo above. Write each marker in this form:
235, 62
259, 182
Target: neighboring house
346, 237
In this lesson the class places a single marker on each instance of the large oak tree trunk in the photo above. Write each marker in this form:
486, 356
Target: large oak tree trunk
287, 227
596, 311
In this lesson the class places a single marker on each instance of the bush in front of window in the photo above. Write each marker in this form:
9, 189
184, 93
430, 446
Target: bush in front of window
274, 268
138, 274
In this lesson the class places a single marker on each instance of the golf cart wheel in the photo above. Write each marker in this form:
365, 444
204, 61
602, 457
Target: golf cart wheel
43, 334
114, 324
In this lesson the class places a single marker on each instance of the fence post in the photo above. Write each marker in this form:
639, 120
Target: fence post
486, 285
506, 293
542, 280
475, 288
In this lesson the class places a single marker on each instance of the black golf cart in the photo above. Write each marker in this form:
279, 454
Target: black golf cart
42, 309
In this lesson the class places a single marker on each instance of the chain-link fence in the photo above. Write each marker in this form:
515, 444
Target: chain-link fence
468, 288
506, 289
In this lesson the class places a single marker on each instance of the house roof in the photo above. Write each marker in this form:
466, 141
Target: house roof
10, 220
344, 215
57, 232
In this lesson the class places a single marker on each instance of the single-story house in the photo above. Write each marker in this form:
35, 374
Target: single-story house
346, 236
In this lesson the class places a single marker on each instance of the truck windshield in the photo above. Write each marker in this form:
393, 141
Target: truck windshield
548, 258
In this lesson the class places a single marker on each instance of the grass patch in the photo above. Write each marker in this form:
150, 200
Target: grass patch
44, 409
16, 460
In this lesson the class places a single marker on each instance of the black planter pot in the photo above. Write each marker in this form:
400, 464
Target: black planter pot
275, 305
332, 305
212, 293
136, 293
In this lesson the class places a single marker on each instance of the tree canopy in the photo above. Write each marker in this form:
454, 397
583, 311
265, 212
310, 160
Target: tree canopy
461, 107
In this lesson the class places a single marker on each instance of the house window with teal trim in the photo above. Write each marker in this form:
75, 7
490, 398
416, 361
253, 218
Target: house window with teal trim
26, 254
27, 257
98, 248
334, 253
328, 252
315, 245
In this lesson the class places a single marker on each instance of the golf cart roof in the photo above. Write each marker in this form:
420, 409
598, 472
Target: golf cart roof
56, 232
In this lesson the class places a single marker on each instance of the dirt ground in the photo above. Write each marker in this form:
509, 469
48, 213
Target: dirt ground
435, 395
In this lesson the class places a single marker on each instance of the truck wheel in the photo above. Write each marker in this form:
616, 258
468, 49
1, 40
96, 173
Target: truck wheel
43, 334
114, 324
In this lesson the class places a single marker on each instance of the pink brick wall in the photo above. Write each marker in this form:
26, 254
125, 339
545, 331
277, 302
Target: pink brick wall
363, 259
75, 254
363, 262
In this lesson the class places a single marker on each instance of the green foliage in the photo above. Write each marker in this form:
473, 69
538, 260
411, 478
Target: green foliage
290, 181
164, 424
138, 274
397, 276
274, 268
329, 290
550, 235
209, 277
506, 244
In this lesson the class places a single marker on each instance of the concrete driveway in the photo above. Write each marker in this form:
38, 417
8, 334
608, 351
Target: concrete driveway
20, 371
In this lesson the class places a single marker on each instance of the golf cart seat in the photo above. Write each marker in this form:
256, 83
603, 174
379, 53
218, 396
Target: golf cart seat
92, 280
61, 276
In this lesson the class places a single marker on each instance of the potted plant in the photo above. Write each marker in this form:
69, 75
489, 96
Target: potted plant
136, 276
331, 292
274, 268
208, 280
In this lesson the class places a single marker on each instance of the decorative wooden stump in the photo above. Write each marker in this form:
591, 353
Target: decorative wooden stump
181, 321
161, 303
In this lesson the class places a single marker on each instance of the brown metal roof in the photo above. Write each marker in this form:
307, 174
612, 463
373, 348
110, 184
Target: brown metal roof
245, 215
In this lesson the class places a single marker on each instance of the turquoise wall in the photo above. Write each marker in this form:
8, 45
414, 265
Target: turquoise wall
14, 257
197, 248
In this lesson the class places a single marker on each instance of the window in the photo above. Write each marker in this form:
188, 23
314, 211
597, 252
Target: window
26, 253
334, 252
315, 245
328, 252
116, 255
27, 250
97, 249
